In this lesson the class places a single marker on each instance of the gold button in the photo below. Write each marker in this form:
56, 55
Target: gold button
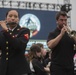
6, 53
6, 58
6, 47
10, 33
6, 42
13, 36
18, 29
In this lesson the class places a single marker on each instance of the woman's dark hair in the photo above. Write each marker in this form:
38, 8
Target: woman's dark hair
32, 53
11, 10
40, 45
35, 48
61, 13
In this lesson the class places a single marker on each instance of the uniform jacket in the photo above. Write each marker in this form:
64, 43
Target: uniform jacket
13, 45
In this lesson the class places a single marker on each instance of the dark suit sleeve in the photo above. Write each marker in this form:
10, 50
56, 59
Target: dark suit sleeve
20, 41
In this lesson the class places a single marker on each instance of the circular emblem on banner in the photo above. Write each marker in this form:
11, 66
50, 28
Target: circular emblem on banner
32, 22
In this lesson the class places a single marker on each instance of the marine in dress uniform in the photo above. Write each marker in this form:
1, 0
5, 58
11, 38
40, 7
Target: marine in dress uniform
13, 43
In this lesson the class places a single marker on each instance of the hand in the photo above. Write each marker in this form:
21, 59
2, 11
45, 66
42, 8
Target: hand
63, 30
3, 25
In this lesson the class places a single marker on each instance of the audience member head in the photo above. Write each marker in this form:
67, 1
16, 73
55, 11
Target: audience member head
35, 51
